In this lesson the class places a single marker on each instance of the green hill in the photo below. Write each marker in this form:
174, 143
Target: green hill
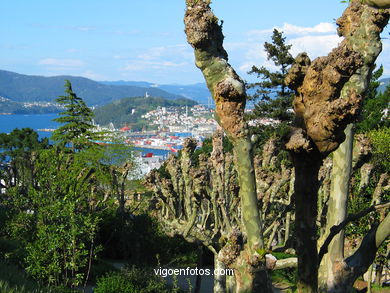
11, 107
120, 112
384, 83
30, 88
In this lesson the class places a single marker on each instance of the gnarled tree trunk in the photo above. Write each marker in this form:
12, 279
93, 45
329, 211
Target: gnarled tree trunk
204, 34
328, 96
337, 210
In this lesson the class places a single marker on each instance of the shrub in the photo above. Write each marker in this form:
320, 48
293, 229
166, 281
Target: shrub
131, 281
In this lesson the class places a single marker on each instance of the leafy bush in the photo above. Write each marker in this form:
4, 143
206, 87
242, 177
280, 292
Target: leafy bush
380, 139
131, 281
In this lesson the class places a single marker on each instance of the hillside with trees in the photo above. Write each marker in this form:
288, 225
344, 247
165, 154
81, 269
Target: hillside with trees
301, 205
29, 88
128, 111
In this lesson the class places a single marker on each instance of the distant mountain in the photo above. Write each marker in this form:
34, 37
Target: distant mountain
384, 83
30, 88
198, 92
11, 107
128, 111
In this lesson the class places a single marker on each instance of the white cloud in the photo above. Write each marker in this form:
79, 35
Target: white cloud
167, 52
291, 29
142, 64
317, 40
323, 27
84, 28
315, 46
246, 66
160, 58
62, 62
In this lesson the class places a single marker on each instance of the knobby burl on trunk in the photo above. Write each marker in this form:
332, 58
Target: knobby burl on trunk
329, 92
198, 198
204, 34
319, 110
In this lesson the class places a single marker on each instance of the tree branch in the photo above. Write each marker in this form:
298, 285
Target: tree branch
378, 3
337, 228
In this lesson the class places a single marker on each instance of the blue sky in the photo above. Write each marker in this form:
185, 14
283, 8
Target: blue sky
145, 40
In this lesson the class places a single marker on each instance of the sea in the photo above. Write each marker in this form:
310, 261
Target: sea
38, 122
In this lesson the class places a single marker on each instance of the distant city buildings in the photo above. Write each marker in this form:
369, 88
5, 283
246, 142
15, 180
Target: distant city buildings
198, 119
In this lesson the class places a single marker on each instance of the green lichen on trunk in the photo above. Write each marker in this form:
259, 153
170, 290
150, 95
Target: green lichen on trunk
247, 183
337, 210
329, 92
204, 34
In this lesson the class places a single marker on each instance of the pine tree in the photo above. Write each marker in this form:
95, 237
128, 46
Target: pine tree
76, 131
374, 113
275, 97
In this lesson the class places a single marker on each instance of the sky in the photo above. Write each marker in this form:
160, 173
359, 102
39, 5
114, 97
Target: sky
144, 40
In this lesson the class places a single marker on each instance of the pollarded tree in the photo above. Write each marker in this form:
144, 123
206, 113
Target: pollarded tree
322, 114
76, 130
196, 196
204, 34
329, 92
338, 269
275, 96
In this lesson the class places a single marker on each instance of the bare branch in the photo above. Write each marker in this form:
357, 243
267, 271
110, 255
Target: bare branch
336, 229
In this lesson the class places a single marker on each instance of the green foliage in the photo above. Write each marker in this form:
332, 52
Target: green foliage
17, 157
374, 114
57, 220
132, 281
162, 171
139, 239
120, 112
279, 132
77, 128
275, 96
207, 148
380, 139
55, 196
287, 277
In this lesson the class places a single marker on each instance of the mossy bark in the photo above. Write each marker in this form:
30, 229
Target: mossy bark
329, 92
378, 3
337, 210
204, 34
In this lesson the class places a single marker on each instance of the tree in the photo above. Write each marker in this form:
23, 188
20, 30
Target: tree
378, 3
64, 218
197, 197
276, 97
204, 34
77, 127
374, 113
17, 157
328, 95
337, 272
